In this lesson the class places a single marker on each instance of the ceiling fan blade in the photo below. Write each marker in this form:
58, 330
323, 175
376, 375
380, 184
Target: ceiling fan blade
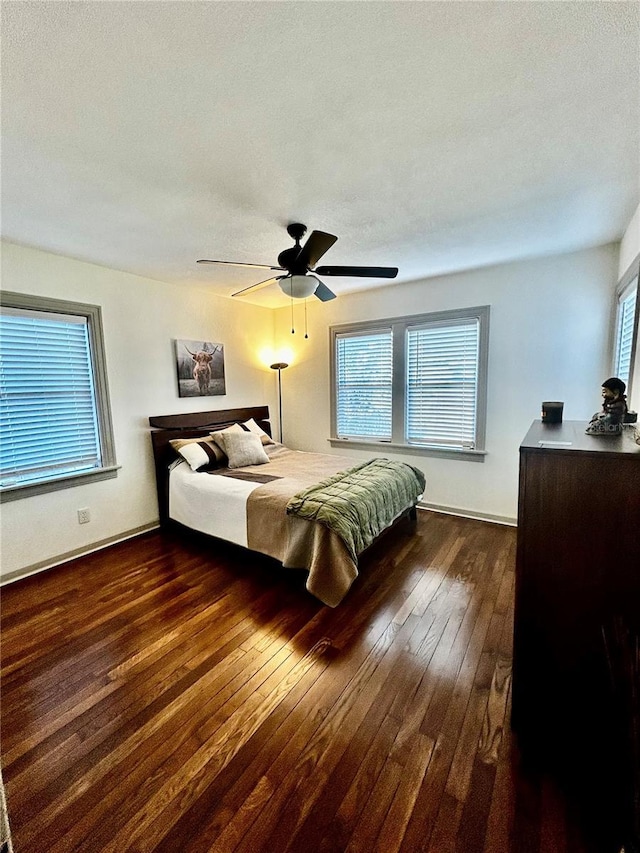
315, 247
361, 272
257, 286
234, 264
323, 293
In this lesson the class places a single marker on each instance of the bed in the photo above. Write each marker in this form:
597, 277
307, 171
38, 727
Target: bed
312, 511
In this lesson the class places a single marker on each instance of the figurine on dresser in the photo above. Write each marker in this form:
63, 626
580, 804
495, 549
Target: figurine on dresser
609, 420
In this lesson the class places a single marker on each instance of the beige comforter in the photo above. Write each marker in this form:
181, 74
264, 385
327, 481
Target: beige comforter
296, 542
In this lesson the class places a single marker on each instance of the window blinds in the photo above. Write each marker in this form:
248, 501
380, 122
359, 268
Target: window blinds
626, 316
48, 422
364, 384
442, 383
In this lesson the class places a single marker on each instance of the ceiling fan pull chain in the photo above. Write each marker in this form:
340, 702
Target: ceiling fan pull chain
293, 331
305, 319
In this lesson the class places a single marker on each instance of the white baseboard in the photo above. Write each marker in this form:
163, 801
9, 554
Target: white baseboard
470, 513
35, 568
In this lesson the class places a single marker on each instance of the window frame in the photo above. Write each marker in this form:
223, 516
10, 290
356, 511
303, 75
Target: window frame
399, 326
623, 291
109, 467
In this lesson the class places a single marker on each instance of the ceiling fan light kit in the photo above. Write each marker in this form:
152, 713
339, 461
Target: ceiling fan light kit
299, 286
301, 279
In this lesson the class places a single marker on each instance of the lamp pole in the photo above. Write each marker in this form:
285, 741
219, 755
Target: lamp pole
279, 366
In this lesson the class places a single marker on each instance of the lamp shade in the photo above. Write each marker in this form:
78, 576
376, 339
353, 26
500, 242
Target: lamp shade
299, 286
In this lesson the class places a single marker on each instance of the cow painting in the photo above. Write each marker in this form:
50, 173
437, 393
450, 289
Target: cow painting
200, 368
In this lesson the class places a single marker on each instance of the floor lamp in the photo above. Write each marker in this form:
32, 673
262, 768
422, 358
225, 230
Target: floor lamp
279, 366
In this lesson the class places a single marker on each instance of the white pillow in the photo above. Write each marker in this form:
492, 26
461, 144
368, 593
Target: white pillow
253, 427
199, 452
244, 448
219, 435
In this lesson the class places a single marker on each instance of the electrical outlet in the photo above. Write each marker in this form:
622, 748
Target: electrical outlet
84, 516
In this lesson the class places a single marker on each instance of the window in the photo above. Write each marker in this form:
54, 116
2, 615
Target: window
442, 383
413, 382
363, 384
625, 326
55, 423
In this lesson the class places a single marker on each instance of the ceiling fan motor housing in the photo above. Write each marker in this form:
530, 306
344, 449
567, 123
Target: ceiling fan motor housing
287, 259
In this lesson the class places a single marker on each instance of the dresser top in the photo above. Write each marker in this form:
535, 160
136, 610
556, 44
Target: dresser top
570, 436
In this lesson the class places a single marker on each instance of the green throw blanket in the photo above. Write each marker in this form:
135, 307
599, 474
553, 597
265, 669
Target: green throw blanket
359, 503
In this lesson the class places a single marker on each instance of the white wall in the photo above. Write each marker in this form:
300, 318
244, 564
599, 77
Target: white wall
630, 244
629, 251
141, 319
549, 340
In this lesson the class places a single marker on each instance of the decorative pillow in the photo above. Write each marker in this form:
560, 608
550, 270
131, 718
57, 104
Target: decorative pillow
199, 452
219, 435
244, 448
253, 427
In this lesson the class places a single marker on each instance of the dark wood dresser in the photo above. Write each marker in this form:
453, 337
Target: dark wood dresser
577, 582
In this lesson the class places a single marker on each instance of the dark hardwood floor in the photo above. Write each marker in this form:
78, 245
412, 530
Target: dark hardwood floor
173, 693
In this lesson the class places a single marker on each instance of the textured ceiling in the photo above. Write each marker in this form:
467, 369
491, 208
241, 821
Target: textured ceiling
433, 136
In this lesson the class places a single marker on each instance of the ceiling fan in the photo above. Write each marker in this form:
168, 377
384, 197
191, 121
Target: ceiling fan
300, 280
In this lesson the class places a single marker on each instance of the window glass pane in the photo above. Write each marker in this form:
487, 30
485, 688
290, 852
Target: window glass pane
364, 385
624, 332
442, 384
48, 423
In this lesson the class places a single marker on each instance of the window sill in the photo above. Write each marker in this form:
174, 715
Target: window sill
412, 449
13, 493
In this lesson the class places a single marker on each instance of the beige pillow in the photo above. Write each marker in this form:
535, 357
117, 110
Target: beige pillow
219, 435
253, 427
199, 452
244, 448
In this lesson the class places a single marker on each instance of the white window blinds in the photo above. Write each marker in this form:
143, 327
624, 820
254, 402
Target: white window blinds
48, 421
364, 375
624, 331
442, 383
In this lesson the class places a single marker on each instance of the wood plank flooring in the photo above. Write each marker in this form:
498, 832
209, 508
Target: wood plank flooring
174, 693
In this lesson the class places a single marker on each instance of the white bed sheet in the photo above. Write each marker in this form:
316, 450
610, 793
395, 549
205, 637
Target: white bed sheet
190, 502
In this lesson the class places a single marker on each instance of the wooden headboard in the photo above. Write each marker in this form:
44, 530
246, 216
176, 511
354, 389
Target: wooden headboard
192, 425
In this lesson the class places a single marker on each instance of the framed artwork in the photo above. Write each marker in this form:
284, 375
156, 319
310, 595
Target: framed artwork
200, 367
